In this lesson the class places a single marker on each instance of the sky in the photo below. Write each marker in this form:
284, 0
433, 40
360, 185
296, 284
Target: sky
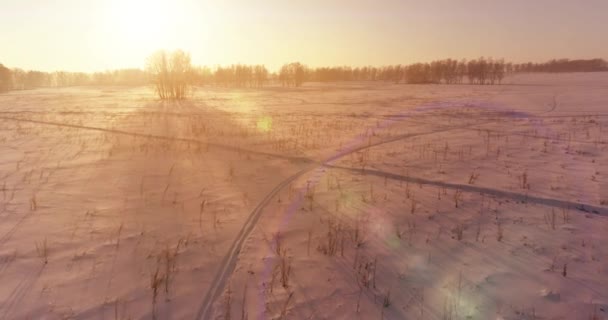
96, 35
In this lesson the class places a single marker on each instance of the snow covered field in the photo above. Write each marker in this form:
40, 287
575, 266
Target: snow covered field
330, 201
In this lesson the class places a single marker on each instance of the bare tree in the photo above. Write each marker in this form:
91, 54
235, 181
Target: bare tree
261, 75
292, 74
172, 74
5, 78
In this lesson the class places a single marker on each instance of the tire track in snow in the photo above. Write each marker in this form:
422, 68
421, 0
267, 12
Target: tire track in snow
156, 137
20, 291
229, 262
526, 198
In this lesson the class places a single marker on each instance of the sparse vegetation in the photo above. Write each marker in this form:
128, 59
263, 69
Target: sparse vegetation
473, 177
499, 231
524, 180
156, 281
387, 299
550, 219
172, 74
43, 251
457, 198
361, 209
458, 232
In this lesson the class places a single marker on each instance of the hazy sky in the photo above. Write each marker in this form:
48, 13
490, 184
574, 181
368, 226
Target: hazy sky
90, 35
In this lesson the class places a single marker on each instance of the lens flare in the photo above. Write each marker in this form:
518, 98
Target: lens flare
264, 124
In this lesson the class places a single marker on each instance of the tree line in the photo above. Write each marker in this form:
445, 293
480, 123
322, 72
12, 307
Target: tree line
18, 79
449, 71
172, 73
563, 65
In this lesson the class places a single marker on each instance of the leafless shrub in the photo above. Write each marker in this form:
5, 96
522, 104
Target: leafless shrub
565, 215
473, 177
273, 278
285, 268
449, 309
165, 191
594, 315
499, 231
278, 243
333, 239
228, 304
550, 219
116, 310
308, 245
457, 198
398, 232
118, 235
357, 234
170, 264
553, 264
366, 271
458, 232
33, 203
413, 206
411, 226
523, 179
359, 297
215, 218
155, 282
478, 230
43, 251
387, 299
310, 195
244, 313
285, 306
200, 214
231, 171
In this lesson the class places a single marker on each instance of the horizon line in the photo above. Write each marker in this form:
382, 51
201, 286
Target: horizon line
275, 70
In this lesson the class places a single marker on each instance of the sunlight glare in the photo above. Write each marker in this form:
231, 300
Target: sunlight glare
264, 124
146, 24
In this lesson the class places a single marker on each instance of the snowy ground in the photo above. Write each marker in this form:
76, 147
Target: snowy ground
330, 201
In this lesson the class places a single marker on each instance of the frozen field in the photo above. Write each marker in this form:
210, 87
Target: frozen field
330, 201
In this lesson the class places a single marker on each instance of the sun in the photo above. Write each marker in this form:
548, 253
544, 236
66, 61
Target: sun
145, 24
131, 30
